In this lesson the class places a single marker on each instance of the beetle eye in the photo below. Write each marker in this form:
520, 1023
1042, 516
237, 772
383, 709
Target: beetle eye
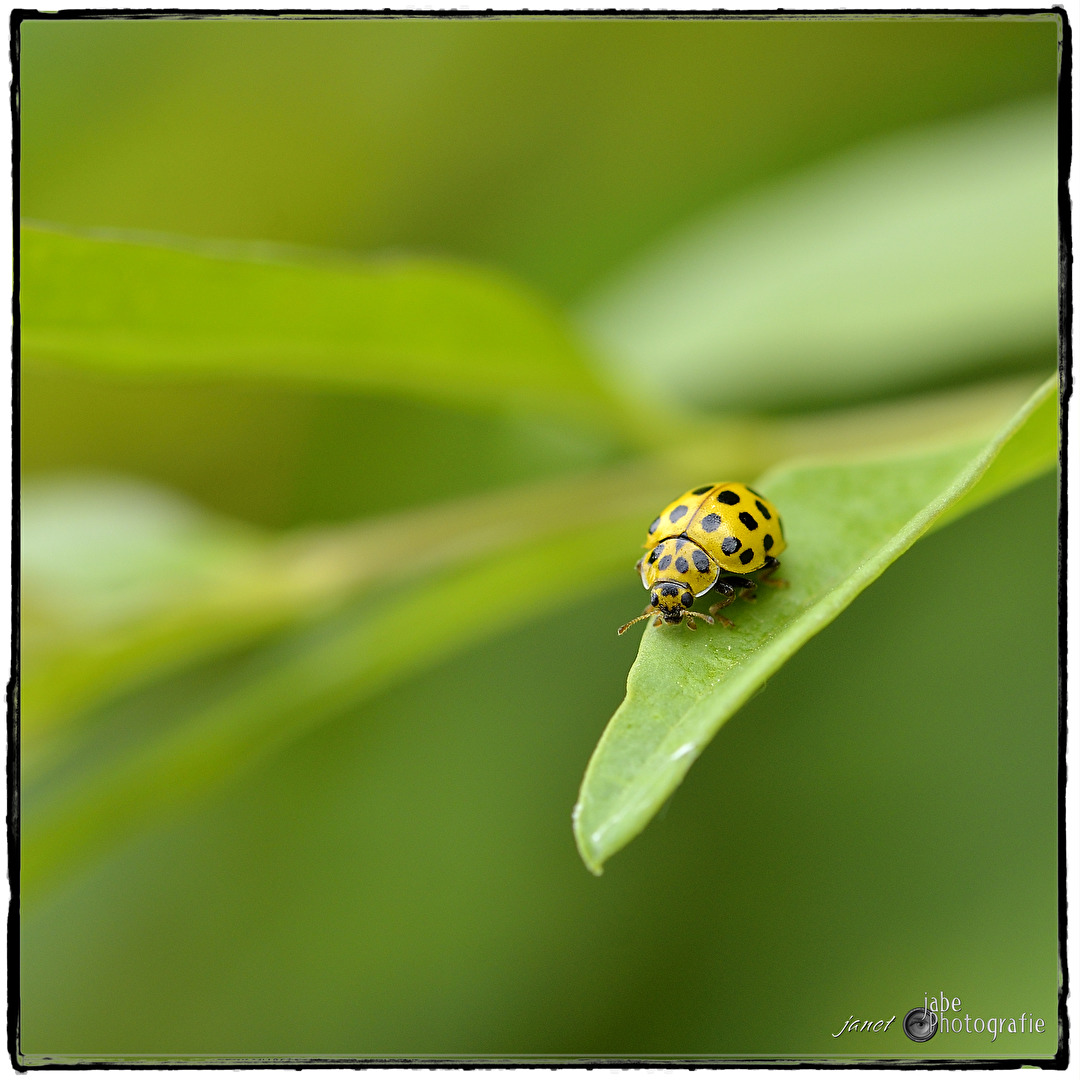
655, 599
688, 599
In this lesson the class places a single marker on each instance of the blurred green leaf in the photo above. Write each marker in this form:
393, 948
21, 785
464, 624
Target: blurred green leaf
845, 523
293, 685
412, 327
924, 256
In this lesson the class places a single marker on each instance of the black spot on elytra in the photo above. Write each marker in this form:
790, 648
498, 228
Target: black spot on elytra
664, 563
767, 543
669, 590
653, 527
730, 545
711, 522
687, 599
682, 565
764, 511
701, 491
729, 498
748, 520
701, 561
747, 556
678, 512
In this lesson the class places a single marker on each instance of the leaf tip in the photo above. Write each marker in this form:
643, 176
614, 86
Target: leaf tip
588, 853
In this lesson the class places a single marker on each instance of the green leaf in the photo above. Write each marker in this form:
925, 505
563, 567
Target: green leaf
412, 327
921, 257
1027, 454
845, 523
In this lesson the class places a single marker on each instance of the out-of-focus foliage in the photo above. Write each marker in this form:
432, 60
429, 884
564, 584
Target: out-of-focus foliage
826, 286
399, 327
556, 149
324, 545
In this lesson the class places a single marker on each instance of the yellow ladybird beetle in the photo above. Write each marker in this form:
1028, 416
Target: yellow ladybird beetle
709, 538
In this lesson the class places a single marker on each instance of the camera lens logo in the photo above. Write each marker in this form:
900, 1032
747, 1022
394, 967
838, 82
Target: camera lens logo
920, 1025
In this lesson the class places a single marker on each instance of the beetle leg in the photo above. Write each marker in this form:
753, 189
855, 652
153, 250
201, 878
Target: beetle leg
770, 568
738, 581
728, 593
746, 586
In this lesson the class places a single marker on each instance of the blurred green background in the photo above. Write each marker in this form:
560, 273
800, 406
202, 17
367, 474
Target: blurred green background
878, 824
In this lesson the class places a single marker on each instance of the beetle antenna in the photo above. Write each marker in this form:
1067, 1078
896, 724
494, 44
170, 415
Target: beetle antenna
626, 626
